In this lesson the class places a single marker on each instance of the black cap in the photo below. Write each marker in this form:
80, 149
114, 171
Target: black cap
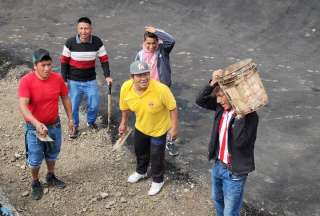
39, 54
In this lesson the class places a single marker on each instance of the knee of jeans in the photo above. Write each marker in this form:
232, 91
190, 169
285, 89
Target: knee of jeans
52, 155
35, 150
54, 152
75, 99
93, 103
216, 197
234, 192
233, 206
34, 161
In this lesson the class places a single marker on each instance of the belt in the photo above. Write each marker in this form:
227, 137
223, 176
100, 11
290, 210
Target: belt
224, 165
29, 126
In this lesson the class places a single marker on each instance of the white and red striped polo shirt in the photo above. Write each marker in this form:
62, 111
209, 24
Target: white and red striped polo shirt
224, 124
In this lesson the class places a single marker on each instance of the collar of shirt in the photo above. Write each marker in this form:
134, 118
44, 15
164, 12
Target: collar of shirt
151, 87
78, 39
226, 117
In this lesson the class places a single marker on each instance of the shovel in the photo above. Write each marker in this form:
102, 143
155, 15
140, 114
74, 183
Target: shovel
122, 139
109, 106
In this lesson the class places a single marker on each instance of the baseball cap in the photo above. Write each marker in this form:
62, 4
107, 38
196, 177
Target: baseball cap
39, 54
139, 67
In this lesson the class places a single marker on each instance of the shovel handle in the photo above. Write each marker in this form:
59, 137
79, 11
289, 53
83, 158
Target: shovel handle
109, 88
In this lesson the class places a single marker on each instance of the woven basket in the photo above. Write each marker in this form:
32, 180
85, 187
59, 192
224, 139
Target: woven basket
242, 85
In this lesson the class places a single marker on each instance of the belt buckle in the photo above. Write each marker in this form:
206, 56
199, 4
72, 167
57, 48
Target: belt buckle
227, 166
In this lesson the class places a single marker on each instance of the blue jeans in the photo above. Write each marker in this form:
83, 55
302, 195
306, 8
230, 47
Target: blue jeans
37, 150
76, 91
227, 190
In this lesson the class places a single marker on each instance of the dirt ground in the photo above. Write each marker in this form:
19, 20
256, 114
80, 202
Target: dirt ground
95, 176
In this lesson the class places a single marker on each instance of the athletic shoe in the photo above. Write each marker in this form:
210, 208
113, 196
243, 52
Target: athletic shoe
155, 188
37, 190
135, 177
74, 134
93, 127
52, 180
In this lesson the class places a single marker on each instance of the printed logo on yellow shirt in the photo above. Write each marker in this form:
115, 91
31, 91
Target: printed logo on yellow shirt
151, 104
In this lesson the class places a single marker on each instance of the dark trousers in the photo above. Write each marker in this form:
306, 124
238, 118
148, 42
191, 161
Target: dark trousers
150, 149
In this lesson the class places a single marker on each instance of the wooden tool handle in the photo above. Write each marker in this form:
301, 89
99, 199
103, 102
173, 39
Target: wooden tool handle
120, 142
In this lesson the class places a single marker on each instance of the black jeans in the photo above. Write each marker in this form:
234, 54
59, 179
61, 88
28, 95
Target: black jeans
150, 148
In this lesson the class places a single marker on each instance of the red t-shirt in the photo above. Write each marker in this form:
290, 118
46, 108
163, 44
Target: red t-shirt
43, 94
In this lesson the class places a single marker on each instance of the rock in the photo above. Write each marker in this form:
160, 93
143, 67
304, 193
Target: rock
46, 190
17, 155
110, 204
95, 199
123, 200
118, 194
25, 194
131, 194
103, 195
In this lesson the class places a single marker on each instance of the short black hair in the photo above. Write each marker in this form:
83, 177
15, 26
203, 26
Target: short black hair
46, 58
84, 20
150, 35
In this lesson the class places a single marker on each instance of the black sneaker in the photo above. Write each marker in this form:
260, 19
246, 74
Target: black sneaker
171, 148
74, 134
93, 127
52, 180
37, 190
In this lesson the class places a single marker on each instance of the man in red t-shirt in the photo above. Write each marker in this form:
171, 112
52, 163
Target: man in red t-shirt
39, 93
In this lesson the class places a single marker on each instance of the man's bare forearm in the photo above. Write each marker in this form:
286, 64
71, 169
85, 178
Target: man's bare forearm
174, 118
124, 117
23, 107
67, 106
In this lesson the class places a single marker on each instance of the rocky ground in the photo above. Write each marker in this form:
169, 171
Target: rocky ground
95, 176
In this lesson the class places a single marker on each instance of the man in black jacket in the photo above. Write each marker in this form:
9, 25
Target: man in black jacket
231, 146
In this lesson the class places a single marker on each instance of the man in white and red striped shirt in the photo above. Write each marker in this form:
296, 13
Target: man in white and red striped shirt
78, 62
231, 146
224, 123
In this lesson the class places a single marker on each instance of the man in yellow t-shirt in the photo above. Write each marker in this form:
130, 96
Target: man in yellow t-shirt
156, 115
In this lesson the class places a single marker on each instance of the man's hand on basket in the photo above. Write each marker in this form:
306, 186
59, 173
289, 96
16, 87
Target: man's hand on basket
215, 76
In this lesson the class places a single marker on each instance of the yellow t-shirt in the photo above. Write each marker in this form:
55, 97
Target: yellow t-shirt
152, 107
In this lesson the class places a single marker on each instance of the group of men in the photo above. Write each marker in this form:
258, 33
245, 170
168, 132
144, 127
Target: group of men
147, 94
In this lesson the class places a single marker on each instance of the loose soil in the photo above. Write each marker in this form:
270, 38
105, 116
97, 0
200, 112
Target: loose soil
95, 176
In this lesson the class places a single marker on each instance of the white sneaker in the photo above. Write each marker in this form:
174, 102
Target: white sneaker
135, 177
155, 188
